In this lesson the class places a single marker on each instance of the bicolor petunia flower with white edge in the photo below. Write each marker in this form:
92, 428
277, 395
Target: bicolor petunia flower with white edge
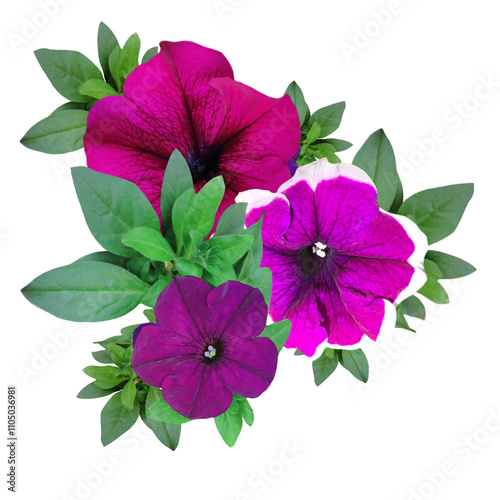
339, 263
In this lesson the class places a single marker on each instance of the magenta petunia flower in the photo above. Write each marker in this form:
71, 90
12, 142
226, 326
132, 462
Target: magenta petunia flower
205, 346
186, 98
338, 262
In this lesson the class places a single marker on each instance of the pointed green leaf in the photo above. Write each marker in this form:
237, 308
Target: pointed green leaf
154, 292
232, 220
150, 53
167, 434
355, 362
92, 391
314, 133
160, 410
323, 150
112, 207
337, 144
295, 92
438, 211
176, 181
451, 267
325, 365
376, 158
278, 332
61, 132
86, 291
102, 357
129, 56
68, 70
412, 306
229, 424
201, 210
97, 89
150, 243
230, 248
106, 42
262, 279
128, 394
328, 118
116, 419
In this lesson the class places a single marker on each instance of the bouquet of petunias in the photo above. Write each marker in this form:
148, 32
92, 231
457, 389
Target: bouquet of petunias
222, 210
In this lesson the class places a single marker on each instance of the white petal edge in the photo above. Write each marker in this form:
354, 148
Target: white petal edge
384, 339
258, 198
416, 260
321, 170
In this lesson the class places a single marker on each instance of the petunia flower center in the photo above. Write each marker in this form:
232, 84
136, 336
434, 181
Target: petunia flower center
204, 164
313, 257
212, 352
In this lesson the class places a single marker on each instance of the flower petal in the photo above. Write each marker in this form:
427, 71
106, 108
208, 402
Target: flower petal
156, 355
249, 367
237, 311
196, 390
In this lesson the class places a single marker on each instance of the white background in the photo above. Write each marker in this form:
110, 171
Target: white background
383, 441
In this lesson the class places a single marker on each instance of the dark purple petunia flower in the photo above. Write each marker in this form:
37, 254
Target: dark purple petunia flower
205, 346
338, 262
186, 98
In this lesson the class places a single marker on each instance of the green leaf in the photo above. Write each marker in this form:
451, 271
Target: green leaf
106, 42
116, 419
129, 56
251, 262
278, 332
328, 118
188, 268
114, 68
451, 267
108, 257
154, 292
412, 306
60, 132
229, 424
337, 144
128, 394
297, 97
150, 53
67, 71
176, 181
398, 199
92, 391
150, 315
150, 243
71, 105
97, 89
121, 356
314, 133
325, 365
245, 409
160, 410
232, 220
230, 248
105, 377
438, 211
225, 273
298, 353
376, 158
263, 280
355, 362
102, 357
168, 434
86, 291
179, 211
432, 289
320, 150
201, 210
112, 207
401, 322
